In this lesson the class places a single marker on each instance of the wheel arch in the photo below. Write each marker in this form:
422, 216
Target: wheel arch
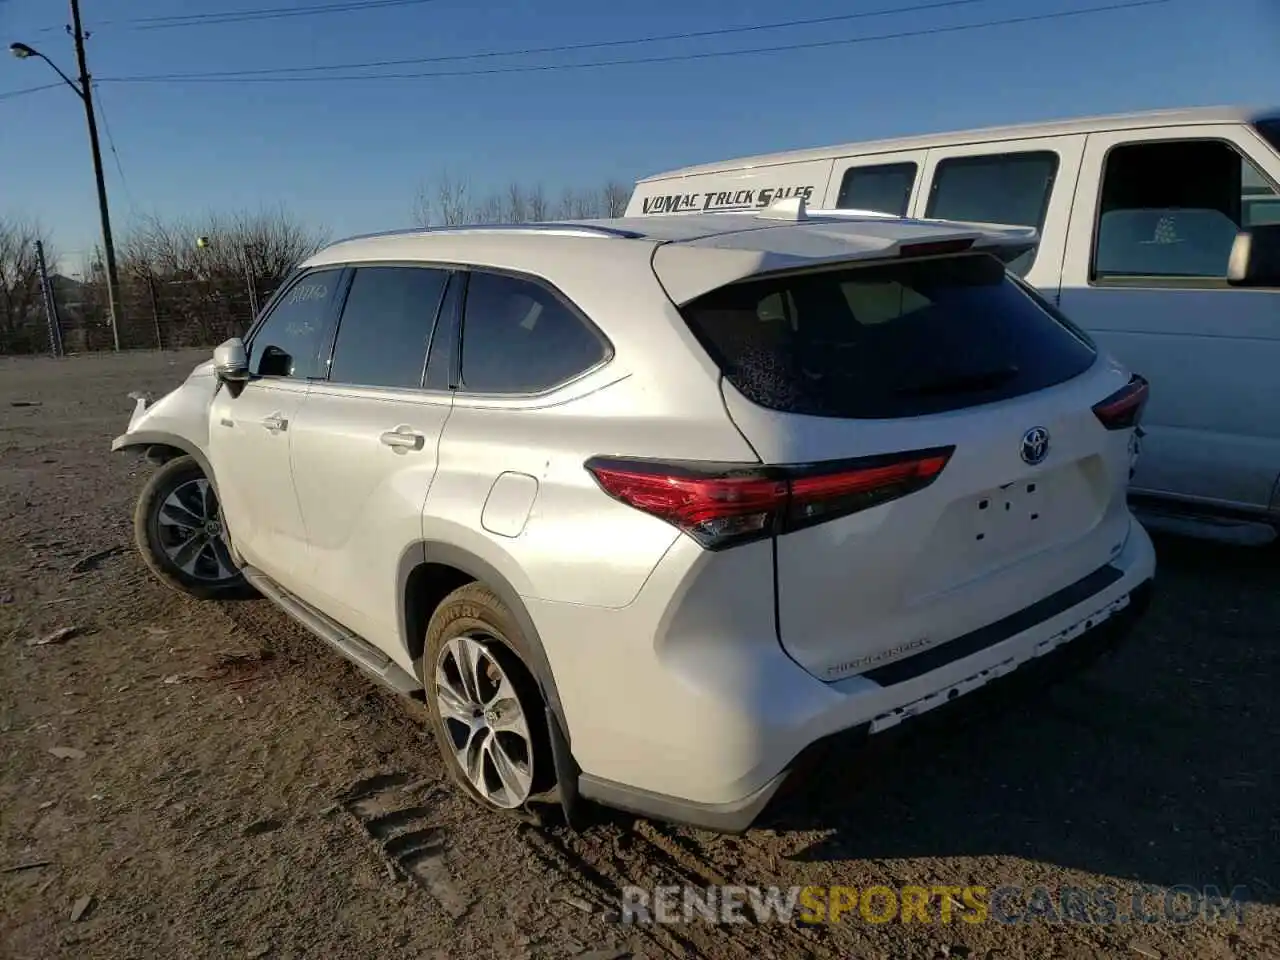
160, 446
428, 572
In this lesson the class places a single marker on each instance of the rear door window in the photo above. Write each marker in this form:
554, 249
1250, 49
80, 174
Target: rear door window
885, 188
386, 326
887, 340
1012, 188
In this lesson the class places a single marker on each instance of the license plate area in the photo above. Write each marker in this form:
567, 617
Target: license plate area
994, 527
1011, 516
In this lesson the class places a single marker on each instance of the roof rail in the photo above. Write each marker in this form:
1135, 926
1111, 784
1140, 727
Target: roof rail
548, 228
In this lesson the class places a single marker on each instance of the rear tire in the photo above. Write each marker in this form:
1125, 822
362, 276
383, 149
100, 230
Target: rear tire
487, 713
178, 529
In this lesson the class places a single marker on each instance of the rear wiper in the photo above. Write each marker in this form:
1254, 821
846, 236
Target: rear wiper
961, 383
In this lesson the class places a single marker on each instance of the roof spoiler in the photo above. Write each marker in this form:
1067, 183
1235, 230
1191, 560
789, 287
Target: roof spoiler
834, 239
1006, 242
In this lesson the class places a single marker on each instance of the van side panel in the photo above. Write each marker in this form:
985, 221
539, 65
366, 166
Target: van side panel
1210, 351
1045, 268
846, 166
743, 189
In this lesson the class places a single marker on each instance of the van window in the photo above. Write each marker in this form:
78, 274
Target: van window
1270, 130
1173, 209
885, 188
887, 340
1012, 188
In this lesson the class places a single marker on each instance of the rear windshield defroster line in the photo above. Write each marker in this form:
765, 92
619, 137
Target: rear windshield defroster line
887, 340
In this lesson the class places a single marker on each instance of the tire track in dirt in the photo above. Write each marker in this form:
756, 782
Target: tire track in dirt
411, 816
410, 834
611, 855
409, 837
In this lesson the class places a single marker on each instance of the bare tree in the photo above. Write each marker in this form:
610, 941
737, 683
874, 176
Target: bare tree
194, 281
614, 197
536, 203
517, 210
22, 322
568, 203
586, 205
446, 203
451, 203
422, 208
489, 210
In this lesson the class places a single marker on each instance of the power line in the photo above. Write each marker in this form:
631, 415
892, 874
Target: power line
22, 93
632, 61
251, 15
280, 13
111, 142
592, 45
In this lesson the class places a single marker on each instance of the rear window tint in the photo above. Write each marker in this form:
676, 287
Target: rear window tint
885, 341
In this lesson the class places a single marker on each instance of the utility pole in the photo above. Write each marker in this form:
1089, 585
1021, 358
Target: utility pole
250, 285
50, 303
108, 245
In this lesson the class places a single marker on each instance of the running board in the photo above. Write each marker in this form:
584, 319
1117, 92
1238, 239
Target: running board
1238, 532
360, 652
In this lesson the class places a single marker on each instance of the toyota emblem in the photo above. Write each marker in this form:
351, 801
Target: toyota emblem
1035, 445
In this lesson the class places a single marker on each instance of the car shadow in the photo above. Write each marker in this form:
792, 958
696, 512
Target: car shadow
1155, 765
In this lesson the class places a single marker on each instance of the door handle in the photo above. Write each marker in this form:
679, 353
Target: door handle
402, 438
275, 423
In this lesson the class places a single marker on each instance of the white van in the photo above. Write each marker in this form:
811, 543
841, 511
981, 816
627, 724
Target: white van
1138, 218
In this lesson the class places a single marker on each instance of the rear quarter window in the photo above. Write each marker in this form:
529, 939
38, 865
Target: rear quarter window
888, 340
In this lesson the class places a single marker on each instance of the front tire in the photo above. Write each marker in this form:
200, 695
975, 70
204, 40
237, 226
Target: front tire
486, 711
178, 529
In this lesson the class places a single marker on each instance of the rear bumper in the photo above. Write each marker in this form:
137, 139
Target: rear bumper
780, 740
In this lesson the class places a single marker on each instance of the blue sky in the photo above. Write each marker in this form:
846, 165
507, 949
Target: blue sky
352, 154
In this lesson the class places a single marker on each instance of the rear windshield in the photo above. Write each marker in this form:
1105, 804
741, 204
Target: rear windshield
890, 340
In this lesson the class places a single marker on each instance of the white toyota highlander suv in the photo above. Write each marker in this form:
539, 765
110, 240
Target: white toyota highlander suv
649, 509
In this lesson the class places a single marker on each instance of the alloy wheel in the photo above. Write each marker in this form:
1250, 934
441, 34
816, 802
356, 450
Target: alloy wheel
485, 721
191, 532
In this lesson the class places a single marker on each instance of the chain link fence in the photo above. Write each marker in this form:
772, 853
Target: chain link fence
195, 283
181, 283
155, 312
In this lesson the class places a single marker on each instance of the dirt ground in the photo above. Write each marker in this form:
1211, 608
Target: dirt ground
188, 780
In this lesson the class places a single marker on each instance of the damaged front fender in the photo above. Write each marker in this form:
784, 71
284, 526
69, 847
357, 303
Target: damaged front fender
179, 419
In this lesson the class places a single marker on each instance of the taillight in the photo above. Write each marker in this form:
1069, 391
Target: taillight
720, 505
1123, 409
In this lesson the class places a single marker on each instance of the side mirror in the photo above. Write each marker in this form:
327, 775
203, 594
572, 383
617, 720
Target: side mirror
230, 362
1255, 257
